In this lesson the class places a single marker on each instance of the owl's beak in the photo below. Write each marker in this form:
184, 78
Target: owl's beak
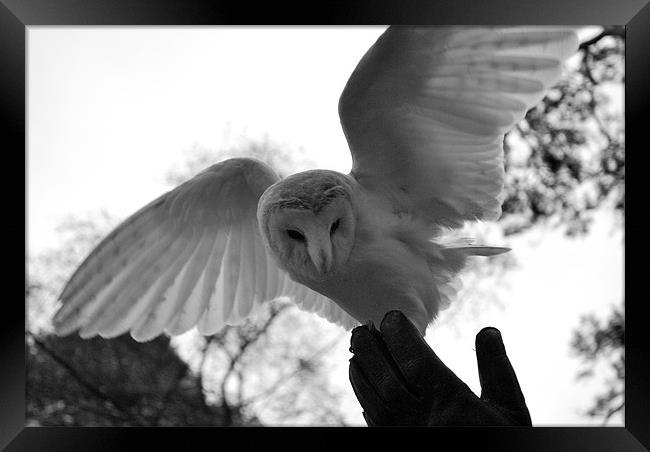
321, 255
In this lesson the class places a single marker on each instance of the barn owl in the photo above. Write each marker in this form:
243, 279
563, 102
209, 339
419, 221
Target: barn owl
424, 113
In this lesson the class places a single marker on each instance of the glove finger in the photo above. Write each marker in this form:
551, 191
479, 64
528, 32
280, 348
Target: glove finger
373, 358
418, 363
499, 382
374, 407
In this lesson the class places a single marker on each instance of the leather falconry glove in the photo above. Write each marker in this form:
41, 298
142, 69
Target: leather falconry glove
399, 380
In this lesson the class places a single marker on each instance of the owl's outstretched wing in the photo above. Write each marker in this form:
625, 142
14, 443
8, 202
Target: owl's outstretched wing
426, 110
194, 256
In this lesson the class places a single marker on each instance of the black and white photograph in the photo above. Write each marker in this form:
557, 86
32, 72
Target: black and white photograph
325, 226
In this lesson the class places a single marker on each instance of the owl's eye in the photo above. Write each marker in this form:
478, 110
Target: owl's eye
335, 226
295, 235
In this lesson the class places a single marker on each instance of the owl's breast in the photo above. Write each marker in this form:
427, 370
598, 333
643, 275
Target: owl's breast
383, 273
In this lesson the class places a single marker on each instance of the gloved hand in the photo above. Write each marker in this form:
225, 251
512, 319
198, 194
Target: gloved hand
399, 380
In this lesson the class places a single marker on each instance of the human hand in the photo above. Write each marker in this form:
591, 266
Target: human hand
399, 380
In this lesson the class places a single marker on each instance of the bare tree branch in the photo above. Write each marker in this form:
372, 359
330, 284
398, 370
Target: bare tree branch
281, 381
607, 31
247, 336
612, 411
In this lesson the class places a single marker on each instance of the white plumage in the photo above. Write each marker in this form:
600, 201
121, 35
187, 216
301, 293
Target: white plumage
424, 113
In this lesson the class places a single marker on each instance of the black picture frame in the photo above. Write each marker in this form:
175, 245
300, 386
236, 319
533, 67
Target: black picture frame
16, 15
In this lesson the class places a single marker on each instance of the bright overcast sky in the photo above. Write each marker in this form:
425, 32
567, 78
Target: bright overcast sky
111, 110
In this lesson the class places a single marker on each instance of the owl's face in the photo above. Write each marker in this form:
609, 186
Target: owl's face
312, 244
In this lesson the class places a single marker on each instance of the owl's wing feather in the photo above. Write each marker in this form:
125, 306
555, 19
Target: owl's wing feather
426, 110
194, 256
325, 308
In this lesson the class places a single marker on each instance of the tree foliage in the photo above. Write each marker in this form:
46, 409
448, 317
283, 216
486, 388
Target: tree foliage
600, 343
564, 161
119, 382
566, 158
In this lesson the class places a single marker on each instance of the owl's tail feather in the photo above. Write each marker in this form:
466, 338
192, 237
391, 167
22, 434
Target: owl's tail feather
455, 256
478, 250
446, 261
456, 242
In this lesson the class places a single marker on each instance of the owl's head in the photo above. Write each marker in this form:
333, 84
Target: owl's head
308, 222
